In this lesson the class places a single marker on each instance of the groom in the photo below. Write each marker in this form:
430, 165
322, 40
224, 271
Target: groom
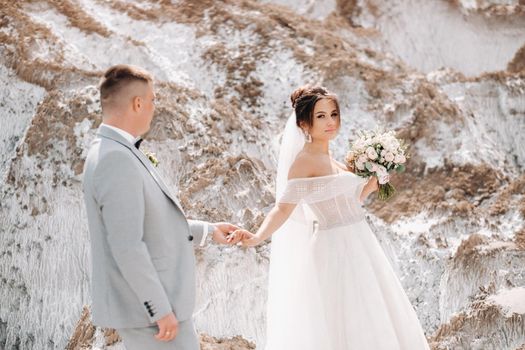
143, 264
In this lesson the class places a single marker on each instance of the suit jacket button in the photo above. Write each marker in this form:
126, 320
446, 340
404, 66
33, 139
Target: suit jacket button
190, 238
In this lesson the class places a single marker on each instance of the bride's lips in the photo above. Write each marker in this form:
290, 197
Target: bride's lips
330, 130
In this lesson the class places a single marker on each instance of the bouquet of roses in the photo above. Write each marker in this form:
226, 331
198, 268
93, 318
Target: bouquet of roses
379, 154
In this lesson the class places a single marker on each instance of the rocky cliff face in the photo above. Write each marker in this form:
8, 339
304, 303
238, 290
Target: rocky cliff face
448, 76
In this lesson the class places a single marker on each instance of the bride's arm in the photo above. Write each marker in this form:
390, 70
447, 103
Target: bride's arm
275, 219
279, 213
301, 167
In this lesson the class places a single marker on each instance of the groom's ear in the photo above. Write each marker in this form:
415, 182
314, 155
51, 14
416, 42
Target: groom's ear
136, 103
137, 92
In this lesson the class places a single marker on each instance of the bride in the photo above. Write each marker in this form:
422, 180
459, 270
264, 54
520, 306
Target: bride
331, 286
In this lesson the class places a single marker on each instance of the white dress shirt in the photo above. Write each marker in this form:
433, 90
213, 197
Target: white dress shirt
132, 139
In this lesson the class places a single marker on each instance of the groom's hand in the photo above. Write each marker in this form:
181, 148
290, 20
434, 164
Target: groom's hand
168, 328
223, 231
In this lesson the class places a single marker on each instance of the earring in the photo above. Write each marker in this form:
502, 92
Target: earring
307, 137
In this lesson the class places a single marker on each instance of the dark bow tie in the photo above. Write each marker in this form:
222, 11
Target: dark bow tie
138, 142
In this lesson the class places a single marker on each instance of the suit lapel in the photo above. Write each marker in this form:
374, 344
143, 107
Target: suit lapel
155, 174
112, 135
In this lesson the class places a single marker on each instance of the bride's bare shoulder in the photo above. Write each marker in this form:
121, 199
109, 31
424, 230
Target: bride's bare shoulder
302, 166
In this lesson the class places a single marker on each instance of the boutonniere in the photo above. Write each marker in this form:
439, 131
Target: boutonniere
152, 158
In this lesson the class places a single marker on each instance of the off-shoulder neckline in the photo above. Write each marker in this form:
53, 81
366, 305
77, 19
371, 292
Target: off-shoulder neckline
322, 177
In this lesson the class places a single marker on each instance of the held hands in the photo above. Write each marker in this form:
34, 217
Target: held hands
226, 233
248, 239
223, 233
168, 328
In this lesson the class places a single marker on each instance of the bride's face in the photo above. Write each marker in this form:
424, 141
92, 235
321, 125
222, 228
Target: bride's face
326, 120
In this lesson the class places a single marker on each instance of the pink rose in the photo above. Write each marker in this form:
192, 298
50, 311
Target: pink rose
371, 153
399, 159
389, 156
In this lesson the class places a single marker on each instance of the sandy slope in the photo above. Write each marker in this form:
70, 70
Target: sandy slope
224, 70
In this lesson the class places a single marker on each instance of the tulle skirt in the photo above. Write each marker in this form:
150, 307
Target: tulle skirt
336, 290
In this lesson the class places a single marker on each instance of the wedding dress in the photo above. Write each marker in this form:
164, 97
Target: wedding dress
331, 287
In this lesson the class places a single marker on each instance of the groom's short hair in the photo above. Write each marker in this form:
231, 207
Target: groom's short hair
118, 77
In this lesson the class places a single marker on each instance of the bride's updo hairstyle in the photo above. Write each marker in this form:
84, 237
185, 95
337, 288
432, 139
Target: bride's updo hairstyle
304, 100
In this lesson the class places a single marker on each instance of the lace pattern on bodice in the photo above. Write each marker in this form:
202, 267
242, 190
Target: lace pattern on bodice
333, 199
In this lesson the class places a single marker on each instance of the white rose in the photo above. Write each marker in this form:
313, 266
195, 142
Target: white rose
359, 144
389, 142
399, 159
381, 170
371, 153
395, 144
362, 158
390, 146
360, 165
389, 156
383, 179
382, 175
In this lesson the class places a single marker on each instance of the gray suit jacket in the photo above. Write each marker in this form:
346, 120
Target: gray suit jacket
143, 263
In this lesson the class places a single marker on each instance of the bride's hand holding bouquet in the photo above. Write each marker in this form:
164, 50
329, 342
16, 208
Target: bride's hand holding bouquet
378, 154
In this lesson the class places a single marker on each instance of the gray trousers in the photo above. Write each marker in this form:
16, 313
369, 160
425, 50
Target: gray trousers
144, 338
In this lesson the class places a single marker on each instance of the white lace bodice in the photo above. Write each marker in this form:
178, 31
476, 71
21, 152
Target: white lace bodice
333, 199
